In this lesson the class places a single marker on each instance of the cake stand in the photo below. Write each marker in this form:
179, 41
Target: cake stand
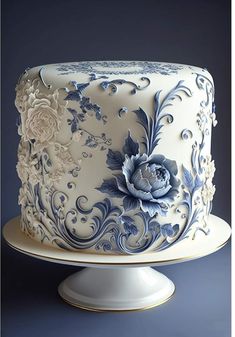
118, 282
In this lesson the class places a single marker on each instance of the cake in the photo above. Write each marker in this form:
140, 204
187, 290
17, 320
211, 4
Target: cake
115, 156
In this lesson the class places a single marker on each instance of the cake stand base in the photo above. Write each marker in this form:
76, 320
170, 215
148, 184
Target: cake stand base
119, 282
119, 289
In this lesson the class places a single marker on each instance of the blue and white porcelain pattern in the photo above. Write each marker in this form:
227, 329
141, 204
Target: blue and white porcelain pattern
111, 165
118, 68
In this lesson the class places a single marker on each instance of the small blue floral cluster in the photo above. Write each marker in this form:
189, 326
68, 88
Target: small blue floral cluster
85, 103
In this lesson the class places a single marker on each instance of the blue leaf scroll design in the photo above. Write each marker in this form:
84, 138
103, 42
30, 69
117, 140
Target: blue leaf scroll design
129, 225
115, 160
192, 182
110, 229
131, 148
188, 179
64, 236
204, 83
152, 124
168, 230
151, 232
110, 187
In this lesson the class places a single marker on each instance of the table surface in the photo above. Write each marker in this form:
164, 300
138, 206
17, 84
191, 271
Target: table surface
32, 307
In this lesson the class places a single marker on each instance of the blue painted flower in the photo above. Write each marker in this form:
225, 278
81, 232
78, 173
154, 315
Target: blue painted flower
151, 181
146, 182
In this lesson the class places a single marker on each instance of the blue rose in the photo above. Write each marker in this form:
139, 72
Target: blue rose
146, 182
150, 182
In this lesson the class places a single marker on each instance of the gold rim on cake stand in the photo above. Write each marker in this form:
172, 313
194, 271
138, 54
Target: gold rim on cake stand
117, 311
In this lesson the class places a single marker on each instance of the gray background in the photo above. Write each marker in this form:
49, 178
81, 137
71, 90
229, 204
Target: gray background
183, 31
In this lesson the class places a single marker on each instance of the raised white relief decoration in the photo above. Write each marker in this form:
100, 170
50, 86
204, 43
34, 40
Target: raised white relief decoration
40, 113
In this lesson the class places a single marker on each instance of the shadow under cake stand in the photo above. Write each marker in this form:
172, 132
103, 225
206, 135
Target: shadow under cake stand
119, 282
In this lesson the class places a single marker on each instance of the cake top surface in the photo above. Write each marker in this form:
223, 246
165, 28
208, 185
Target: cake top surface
58, 75
117, 68
121, 67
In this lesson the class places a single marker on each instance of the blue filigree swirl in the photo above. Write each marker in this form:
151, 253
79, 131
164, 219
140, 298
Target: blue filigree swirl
151, 232
40, 74
122, 111
114, 89
186, 134
153, 125
193, 181
110, 230
203, 83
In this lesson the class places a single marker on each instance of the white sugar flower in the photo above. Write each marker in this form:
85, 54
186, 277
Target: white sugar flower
41, 114
208, 192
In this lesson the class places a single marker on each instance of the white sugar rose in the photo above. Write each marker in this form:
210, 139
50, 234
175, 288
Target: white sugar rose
42, 124
40, 113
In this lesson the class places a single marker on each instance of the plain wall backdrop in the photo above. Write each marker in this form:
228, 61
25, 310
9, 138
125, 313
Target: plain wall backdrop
183, 31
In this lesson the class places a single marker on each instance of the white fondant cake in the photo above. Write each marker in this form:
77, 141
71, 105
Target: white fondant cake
115, 156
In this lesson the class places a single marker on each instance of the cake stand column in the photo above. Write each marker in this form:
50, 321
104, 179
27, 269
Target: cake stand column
116, 289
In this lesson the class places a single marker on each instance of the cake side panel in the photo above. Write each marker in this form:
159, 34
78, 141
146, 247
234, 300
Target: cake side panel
116, 164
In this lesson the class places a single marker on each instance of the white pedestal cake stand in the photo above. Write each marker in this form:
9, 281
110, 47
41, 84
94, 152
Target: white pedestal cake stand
118, 282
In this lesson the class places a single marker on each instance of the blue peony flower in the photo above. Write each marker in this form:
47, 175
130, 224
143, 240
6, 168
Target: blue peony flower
152, 181
146, 182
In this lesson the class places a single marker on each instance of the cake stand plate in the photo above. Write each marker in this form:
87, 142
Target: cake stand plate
119, 282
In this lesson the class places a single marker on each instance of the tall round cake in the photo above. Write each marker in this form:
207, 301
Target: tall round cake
115, 156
